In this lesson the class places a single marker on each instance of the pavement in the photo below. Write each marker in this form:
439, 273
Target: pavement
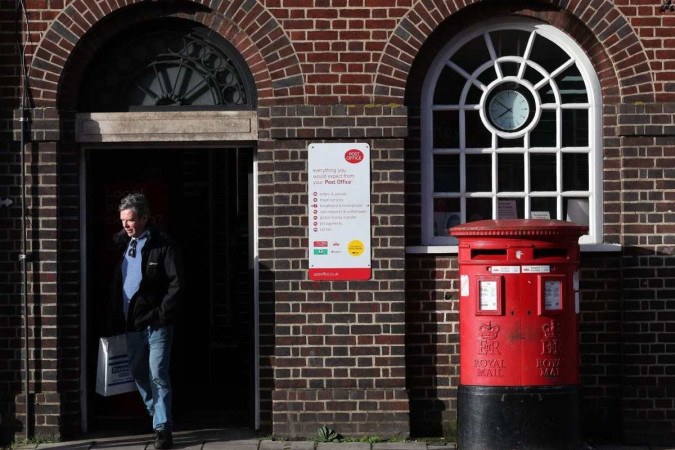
219, 439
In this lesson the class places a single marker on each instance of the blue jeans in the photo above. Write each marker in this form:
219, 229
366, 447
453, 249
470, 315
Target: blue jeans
149, 358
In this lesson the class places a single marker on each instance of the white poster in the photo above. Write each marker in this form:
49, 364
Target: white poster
339, 211
507, 209
488, 296
552, 295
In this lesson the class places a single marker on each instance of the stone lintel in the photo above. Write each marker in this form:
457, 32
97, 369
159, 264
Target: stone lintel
167, 126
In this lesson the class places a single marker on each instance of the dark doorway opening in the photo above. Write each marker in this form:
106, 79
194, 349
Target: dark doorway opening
202, 197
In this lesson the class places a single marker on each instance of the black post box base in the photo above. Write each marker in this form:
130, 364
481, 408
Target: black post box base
528, 417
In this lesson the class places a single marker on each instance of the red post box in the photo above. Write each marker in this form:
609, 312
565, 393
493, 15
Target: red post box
519, 339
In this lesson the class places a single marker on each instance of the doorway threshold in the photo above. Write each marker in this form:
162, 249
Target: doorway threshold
238, 438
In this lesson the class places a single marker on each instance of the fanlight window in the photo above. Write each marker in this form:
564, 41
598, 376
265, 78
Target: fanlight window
173, 64
510, 120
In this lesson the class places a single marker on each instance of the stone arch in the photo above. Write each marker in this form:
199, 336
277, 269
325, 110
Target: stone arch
75, 34
603, 22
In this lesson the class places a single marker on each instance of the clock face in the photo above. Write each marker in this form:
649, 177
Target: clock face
508, 110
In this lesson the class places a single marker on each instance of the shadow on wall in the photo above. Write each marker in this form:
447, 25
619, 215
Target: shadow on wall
600, 346
12, 402
8, 423
628, 346
432, 345
266, 330
648, 343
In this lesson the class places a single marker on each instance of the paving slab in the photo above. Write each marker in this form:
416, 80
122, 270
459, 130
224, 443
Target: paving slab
343, 446
131, 442
619, 447
185, 443
287, 445
248, 444
122, 445
219, 439
78, 445
400, 446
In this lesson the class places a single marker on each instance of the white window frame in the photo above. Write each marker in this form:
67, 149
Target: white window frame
443, 244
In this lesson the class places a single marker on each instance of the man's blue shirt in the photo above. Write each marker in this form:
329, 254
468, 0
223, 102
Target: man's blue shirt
132, 271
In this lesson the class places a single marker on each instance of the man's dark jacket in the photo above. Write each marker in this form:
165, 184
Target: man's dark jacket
162, 284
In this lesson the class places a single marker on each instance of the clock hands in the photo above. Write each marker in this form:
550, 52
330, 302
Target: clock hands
497, 101
508, 110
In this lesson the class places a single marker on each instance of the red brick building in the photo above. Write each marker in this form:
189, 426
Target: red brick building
210, 106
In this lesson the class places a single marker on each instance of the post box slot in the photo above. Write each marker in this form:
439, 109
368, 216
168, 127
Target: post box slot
550, 253
488, 253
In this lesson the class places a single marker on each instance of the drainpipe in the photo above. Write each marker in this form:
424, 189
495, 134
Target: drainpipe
23, 257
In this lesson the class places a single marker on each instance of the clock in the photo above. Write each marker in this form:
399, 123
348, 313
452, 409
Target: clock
508, 110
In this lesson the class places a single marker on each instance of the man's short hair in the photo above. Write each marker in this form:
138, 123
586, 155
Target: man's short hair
136, 202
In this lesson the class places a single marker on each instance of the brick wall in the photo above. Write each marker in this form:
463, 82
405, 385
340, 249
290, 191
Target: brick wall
53, 284
351, 52
600, 345
339, 354
648, 274
432, 344
379, 356
45, 323
10, 224
53, 325
10, 279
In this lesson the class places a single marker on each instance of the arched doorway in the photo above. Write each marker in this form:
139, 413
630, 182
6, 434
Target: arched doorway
167, 107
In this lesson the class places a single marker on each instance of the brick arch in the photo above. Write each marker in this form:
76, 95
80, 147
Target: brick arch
606, 25
80, 29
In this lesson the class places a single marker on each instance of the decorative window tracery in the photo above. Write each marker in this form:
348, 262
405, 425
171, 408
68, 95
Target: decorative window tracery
171, 64
510, 129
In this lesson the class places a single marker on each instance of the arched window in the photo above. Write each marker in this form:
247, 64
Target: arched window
510, 129
168, 64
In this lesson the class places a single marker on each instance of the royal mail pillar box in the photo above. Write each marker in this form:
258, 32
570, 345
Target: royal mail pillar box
519, 339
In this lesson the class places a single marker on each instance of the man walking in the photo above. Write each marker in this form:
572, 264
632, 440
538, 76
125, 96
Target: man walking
146, 291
